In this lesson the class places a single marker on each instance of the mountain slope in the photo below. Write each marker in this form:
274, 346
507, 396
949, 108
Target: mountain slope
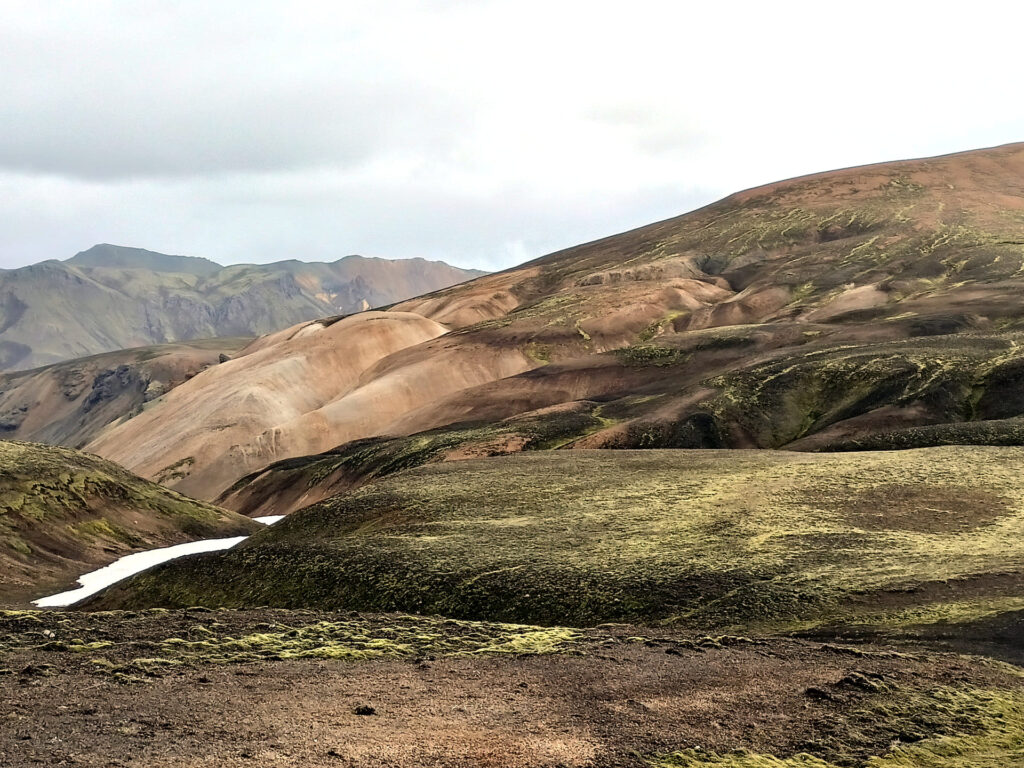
63, 513
813, 313
291, 392
70, 403
110, 298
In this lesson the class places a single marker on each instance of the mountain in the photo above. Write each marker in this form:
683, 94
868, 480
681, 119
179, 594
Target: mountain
121, 257
70, 403
111, 297
63, 512
869, 307
448, 470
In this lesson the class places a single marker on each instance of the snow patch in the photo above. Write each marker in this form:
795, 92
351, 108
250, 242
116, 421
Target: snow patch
129, 565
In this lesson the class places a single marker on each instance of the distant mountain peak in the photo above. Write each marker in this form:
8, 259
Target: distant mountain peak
113, 297
124, 257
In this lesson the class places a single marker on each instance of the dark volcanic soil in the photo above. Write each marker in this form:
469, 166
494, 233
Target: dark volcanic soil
606, 700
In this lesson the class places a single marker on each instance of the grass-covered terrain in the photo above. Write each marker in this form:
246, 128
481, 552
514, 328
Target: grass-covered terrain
199, 686
63, 512
739, 541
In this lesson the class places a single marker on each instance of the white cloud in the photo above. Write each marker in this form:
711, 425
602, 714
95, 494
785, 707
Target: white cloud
480, 132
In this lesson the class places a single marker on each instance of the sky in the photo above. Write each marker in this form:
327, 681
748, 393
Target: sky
481, 133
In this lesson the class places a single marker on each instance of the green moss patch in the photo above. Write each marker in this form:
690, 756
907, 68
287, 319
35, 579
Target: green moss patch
947, 727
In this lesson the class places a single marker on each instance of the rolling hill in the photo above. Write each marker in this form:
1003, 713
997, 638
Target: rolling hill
742, 542
869, 307
63, 513
784, 592
111, 297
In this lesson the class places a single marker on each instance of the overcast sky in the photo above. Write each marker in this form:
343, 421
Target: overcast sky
482, 133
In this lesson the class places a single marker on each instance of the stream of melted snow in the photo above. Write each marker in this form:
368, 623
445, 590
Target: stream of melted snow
129, 565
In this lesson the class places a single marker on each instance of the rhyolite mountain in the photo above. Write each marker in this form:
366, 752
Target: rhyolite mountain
71, 402
873, 307
757, 607
110, 297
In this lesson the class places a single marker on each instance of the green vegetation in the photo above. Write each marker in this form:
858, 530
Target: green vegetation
650, 354
44, 482
73, 508
953, 378
102, 529
358, 639
345, 638
716, 541
948, 727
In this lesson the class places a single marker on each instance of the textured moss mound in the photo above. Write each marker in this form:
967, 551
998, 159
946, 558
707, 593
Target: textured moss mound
716, 540
952, 727
62, 511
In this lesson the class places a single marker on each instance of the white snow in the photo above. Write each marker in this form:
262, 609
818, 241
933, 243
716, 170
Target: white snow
129, 565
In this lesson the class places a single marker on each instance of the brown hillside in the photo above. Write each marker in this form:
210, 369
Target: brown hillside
290, 393
69, 403
863, 304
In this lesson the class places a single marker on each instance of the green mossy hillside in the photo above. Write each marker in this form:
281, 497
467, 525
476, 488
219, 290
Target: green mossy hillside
62, 511
714, 540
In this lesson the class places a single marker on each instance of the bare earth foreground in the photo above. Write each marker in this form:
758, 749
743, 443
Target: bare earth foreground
269, 688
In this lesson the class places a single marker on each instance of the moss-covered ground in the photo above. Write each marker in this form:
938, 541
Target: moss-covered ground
715, 540
62, 511
636, 696
960, 727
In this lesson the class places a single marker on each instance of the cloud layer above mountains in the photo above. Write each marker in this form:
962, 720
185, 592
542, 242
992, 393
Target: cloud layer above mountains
482, 133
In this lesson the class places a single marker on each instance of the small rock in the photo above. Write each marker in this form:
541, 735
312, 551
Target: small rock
364, 709
818, 694
37, 670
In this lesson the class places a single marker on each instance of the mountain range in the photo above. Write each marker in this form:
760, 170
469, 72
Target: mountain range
739, 488
111, 297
